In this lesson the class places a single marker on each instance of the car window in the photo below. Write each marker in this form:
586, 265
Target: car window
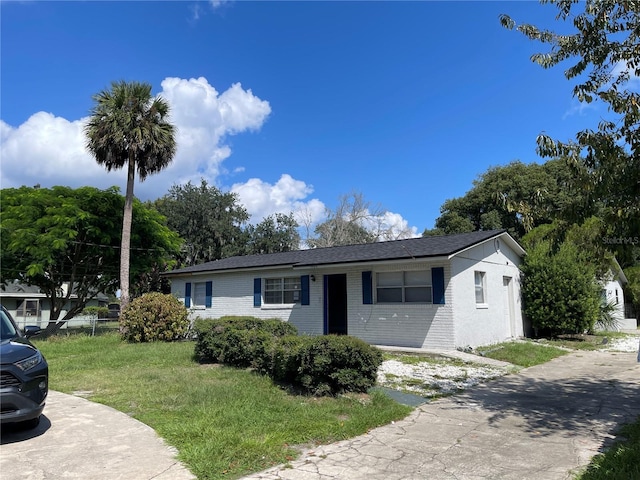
7, 330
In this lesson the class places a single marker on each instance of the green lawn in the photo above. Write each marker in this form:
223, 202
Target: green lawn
224, 422
621, 461
523, 354
530, 353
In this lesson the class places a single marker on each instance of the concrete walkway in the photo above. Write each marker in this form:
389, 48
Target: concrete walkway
543, 423
78, 439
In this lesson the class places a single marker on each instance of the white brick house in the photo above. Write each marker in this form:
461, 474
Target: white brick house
431, 292
613, 293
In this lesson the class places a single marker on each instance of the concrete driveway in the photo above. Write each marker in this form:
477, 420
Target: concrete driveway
78, 439
543, 423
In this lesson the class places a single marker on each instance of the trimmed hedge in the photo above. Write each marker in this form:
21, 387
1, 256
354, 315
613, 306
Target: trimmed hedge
283, 360
238, 341
322, 365
333, 364
154, 317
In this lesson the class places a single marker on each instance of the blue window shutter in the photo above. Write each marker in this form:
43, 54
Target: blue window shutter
367, 288
257, 292
304, 287
187, 294
437, 282
209, 294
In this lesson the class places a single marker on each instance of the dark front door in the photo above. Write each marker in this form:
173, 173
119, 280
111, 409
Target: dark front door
335, 304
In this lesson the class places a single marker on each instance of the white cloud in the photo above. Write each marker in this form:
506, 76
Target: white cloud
579, 108
204, 118
622, 67
285, 196
46, 150
217, 3
394, 227
195, 11
49, 150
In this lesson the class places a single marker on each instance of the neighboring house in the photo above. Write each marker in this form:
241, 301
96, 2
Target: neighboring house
613, 293
29, 306
431, 292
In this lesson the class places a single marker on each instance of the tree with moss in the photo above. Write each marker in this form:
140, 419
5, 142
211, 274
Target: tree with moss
210, 221
354, 221
275, 233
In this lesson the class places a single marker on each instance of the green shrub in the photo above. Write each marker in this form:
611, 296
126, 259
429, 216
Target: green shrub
239, 341
334, 364
154, 317
323, 365
281, 362
559, 291
609, 316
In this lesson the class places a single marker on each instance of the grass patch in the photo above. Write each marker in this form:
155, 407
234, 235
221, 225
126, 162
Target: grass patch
224, 422
621, 461
589, 342
524, 354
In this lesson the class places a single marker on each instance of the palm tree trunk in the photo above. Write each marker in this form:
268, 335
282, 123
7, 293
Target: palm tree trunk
125, 247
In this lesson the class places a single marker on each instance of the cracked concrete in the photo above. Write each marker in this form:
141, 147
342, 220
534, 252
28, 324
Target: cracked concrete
544, 423
80, 439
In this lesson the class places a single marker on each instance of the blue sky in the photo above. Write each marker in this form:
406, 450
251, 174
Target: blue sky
289, 104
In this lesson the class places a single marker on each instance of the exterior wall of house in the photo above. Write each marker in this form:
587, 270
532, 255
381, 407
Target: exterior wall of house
410, 325
232, 294
613, 293
499, 317
40, 317
458, 322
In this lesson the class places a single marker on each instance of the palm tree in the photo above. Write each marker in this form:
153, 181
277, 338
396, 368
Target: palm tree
130, 127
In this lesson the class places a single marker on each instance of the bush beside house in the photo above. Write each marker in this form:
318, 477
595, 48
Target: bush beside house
322, 365
559, 291
154, 317
238, 341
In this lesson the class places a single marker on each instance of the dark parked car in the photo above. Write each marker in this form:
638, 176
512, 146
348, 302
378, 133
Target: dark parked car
24, 374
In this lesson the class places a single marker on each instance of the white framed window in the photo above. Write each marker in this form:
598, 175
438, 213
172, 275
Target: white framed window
404, 287
29, 308
284, 290
481, 287
199, 295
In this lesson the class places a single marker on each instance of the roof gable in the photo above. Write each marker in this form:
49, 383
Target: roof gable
413, 248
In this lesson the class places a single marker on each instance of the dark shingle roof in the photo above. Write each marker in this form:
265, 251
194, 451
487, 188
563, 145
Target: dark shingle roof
16, 287
422, 247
